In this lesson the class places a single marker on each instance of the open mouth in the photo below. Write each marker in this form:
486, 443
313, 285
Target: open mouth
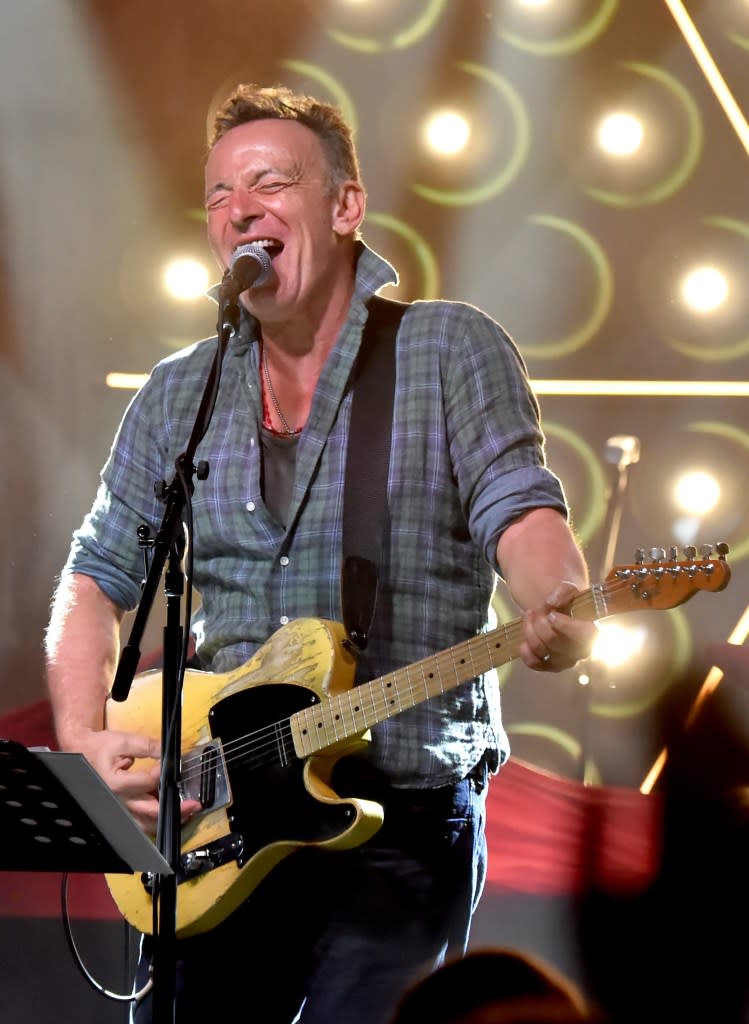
271, 246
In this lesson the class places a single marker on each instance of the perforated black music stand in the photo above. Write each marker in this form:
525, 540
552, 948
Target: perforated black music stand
57, 814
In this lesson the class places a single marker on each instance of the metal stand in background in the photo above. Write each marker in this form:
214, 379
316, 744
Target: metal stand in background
622, 451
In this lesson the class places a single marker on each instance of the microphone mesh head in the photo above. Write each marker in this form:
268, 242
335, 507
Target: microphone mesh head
259, 254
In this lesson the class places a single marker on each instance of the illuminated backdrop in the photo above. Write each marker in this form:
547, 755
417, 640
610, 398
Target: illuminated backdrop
565, 165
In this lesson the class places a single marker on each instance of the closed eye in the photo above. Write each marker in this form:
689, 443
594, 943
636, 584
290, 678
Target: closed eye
273, 185
216, 199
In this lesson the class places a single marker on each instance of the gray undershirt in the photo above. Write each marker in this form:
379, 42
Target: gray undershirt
279, 469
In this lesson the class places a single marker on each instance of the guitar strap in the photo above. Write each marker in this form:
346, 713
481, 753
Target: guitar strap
367, 461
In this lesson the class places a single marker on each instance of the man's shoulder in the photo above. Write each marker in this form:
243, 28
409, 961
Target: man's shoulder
193, 360
445, 317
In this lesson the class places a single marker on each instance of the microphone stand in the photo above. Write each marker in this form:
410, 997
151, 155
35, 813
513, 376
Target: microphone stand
621, 451
168, 546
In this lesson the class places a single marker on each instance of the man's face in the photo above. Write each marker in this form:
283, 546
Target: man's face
269, 182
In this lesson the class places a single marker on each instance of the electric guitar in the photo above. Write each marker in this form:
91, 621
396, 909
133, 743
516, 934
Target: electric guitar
267, 791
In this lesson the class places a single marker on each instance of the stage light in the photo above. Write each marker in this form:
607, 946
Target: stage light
620, 134
535, 4
446, 132
704, 289
126, 381
615, 645
186, 279
697, 493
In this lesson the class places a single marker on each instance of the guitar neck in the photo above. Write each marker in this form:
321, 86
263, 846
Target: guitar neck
349, 714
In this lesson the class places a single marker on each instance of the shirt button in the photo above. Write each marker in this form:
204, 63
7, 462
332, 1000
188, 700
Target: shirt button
250, 506
284, 620
284, 560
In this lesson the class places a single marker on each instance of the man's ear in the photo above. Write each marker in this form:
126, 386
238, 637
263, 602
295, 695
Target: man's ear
349, 207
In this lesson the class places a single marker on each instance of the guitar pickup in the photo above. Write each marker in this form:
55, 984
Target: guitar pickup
204, 776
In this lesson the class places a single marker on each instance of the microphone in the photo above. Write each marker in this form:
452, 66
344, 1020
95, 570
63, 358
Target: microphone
250, 265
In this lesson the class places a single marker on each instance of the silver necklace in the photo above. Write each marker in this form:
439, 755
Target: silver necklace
284, 422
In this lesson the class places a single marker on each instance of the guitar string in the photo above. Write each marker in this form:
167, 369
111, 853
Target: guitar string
262, 741
280, 732
263, 745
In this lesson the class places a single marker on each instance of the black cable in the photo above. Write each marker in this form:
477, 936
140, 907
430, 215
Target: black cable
116, 996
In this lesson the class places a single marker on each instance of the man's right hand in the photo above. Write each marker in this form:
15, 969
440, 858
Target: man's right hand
113, 755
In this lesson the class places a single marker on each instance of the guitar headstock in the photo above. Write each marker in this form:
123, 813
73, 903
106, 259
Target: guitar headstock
664, 581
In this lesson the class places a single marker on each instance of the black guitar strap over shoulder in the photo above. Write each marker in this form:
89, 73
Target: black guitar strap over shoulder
367, 461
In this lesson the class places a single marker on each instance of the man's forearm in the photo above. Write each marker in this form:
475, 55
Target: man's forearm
82, 646
537, 552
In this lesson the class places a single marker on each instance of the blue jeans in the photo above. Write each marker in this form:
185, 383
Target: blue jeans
338, 936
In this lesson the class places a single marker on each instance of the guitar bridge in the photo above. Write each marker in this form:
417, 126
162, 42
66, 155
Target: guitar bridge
206, 858
200, 861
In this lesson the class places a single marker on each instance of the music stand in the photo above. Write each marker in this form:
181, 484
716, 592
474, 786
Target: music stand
57, 814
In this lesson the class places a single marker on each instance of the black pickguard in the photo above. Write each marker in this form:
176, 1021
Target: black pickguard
270, 802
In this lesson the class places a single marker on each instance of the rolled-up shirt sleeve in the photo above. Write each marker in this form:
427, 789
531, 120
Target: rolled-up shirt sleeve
106, 545
496, 441
107, 560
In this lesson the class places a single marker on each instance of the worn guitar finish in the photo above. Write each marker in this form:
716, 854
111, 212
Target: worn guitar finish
267, 791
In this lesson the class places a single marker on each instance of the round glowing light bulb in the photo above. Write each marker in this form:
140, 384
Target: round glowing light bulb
704, 289
697, 493
620, 134
186, 279
447, 132
615, 645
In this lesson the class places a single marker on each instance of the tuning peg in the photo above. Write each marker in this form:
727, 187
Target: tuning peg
706, 550
657, 554
639, 556
690, 551
722, 548
673, 553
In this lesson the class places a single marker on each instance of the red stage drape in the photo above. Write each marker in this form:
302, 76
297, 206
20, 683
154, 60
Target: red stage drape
547, 835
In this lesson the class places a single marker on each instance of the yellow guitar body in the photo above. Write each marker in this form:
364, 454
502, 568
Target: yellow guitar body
307, 658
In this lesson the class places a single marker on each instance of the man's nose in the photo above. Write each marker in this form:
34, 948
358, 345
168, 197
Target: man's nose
244, 208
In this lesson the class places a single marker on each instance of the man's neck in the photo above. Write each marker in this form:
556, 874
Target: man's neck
311, 334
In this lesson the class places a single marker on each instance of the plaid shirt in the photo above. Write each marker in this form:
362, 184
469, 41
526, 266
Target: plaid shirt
467, 458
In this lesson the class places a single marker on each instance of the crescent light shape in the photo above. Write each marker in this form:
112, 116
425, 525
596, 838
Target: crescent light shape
572, 41
681, 652
500, 181
604, 290
567, 742
717, 353
410, 35
692, 149
424, 254
331, 84
585, 525
739, 437
742, 41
